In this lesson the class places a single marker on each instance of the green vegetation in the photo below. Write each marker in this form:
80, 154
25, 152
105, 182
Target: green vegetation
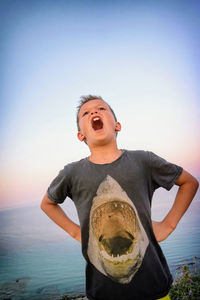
186, 285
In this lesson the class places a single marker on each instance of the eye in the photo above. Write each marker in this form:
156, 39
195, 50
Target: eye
100, 238
102, 108
85, 113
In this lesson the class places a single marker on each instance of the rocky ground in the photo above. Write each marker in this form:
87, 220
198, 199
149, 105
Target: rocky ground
15, 289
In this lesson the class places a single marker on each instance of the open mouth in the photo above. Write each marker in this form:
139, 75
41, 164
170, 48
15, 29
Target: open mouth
117, 248
97, 123
114, 224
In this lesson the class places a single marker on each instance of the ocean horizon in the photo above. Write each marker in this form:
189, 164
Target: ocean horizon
38, 260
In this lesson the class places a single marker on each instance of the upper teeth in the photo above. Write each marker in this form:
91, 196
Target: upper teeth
96, 119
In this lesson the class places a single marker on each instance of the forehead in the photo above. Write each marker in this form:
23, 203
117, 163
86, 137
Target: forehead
92, 103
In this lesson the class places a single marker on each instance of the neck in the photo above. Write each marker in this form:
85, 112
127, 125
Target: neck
104, 154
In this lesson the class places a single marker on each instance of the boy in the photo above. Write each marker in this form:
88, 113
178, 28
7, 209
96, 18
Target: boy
112, 190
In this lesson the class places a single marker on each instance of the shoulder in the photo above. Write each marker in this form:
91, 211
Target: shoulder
138, 154
138, 158
74, 166
145, 155
148, 158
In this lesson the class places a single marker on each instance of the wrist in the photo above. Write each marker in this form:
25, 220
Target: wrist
76, 233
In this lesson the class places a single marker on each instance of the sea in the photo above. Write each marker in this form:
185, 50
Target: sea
39, 261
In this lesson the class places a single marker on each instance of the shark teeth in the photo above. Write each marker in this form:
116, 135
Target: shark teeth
118, 258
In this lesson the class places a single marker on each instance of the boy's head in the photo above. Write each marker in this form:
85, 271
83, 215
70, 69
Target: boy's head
96, 121
85, 99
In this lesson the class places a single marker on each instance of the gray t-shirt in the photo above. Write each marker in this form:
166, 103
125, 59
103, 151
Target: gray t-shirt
113, 202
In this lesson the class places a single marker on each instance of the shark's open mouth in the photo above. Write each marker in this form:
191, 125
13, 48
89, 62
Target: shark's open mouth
97, 123
114, 225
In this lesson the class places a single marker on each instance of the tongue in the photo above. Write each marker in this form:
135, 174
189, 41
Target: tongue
97, 125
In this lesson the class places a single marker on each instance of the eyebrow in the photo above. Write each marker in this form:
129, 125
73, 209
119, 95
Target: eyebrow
99, 105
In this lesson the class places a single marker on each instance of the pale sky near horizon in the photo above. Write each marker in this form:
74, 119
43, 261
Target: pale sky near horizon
142, 57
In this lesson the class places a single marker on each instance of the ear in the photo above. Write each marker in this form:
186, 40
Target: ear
118, 126
80, 136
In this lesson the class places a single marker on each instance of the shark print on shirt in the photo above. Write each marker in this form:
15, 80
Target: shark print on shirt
117, 240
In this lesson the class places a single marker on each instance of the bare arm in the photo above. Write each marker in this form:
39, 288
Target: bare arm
188, 186
56, 214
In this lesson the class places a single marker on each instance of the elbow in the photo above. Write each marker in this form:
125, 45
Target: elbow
196, 184
42, 205
46, 203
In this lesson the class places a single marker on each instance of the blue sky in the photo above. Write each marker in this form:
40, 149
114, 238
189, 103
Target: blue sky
142, 57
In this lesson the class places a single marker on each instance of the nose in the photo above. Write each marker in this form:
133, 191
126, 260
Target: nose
94, 111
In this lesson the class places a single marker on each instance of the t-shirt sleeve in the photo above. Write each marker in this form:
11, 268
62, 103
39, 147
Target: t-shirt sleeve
164, 174
59, 188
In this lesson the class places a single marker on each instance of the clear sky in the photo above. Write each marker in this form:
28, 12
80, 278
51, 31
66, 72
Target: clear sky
143, 57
